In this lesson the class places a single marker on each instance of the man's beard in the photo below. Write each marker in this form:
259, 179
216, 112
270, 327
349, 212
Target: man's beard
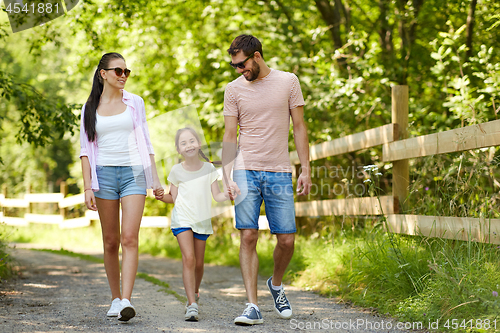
254, 72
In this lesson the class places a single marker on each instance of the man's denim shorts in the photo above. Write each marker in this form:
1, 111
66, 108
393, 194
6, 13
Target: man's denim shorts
196, 235
116, 182
275, 189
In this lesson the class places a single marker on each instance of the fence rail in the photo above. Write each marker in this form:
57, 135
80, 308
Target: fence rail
396, 148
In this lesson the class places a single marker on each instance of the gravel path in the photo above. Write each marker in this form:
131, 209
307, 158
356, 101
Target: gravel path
57, 293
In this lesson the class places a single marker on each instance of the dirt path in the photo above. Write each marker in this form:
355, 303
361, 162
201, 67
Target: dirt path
57, 293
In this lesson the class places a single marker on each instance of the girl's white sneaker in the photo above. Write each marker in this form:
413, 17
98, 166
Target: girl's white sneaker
191, 313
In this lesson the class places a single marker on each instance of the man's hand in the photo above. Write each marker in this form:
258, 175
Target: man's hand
304, 183
232, 189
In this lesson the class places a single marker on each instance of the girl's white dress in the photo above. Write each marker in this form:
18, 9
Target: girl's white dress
194, 199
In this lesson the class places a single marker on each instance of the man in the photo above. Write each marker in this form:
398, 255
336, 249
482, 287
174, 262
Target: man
261, 102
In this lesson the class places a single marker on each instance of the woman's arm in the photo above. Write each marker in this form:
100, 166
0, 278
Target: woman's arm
87, 184
217, 194
157, 188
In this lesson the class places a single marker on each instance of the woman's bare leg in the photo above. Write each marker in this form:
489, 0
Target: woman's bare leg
110, 226
132, 209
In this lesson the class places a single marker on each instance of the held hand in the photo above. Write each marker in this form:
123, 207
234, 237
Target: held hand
304, 184
90, 200
158, 190
232, 190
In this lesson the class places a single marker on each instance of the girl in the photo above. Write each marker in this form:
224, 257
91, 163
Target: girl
117, 165
193, 183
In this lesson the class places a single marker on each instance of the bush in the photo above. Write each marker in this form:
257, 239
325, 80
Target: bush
5, 260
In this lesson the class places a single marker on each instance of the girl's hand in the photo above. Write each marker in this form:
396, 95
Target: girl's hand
90, 200
232, 189
158, 190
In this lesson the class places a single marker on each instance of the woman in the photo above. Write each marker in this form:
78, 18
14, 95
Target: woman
117, 165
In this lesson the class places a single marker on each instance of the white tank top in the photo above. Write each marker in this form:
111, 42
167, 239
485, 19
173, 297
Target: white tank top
116, 142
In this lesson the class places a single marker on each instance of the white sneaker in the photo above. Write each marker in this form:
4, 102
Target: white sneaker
191, 312
114, 310
127, 311
196, 300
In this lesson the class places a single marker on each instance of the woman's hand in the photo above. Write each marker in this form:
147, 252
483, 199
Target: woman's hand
90, 200
158, 190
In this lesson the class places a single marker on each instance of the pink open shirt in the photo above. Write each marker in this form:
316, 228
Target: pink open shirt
89, 149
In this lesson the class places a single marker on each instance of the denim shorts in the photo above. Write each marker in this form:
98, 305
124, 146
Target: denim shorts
275, 189
196, 235
116, 182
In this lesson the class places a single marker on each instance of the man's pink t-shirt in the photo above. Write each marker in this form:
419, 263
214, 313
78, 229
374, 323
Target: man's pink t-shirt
263, 109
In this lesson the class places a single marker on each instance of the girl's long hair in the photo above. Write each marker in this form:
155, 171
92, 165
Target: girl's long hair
95, 95
200, 152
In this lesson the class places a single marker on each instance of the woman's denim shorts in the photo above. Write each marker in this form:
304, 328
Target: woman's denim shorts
116, 182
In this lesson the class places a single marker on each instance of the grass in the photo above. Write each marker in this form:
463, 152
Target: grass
165, 286
87, 257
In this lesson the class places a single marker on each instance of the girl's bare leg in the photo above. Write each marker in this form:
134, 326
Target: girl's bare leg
186, 243
199, 252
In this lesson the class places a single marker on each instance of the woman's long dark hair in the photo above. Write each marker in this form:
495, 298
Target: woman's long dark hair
95, 95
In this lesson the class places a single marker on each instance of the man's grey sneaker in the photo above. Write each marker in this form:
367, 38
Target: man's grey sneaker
191, 312
250, 316
114, 310
281, 303
127, 311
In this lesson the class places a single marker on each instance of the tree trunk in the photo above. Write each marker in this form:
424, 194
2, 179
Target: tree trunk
470, 29
332, 17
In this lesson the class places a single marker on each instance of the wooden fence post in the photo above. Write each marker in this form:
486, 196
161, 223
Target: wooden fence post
400, 169
4, 192
29, 189
63, 188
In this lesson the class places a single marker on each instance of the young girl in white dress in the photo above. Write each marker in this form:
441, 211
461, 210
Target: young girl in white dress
192, 185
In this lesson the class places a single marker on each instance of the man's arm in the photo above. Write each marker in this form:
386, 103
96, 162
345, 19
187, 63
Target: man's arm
302, 145
229, 152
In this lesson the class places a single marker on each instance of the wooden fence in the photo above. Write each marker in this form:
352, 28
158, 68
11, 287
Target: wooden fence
396, 148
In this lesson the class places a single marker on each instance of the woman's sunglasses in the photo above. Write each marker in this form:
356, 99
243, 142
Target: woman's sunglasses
119, 71
241, 64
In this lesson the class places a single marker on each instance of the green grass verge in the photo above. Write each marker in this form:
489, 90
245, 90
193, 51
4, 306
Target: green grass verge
64, 252
165, 287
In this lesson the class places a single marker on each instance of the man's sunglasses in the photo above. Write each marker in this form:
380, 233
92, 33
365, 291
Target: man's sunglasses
119, 71
241, 64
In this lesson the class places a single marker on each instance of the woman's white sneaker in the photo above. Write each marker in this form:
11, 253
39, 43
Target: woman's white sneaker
127, 311
115, 308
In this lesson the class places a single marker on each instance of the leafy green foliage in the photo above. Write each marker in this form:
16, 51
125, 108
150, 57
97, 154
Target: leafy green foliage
5, 260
